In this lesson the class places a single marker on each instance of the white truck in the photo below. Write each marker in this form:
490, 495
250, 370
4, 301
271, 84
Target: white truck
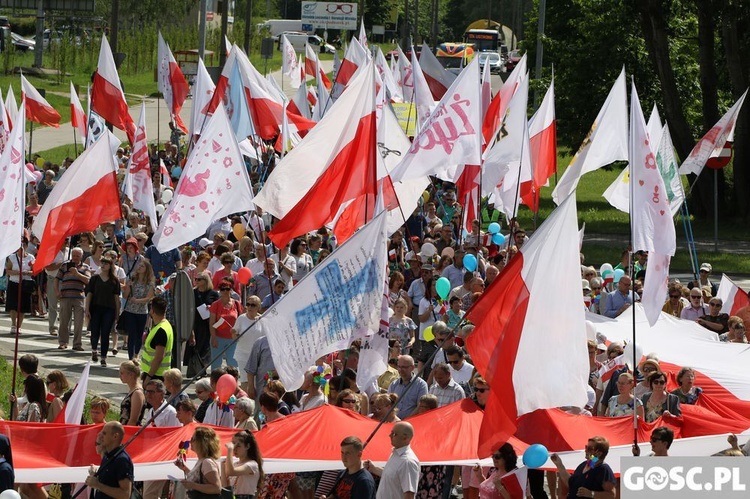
278, 26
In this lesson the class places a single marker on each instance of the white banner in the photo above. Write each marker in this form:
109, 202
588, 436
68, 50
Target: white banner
330, 15
339, 301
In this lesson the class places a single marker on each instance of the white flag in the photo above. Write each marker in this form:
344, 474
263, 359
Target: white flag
213, 184
74, 406
373, 356
651, 218
338, 302
12, 182
453, 134
203, 91
606, 142
138, 186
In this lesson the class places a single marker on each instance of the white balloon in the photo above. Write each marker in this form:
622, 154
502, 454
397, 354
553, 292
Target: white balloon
429, 250
167, 195
160, 209
629, 354
9, 494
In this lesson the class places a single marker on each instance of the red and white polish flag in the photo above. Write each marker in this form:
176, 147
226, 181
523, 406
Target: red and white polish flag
11, 107
438, 78
732, 296
339, 158
38, 109
543, 149
86, 196
289, 64
354, 58
107, 97
172, 83
515, 482
312, 67
77, 114
527, 366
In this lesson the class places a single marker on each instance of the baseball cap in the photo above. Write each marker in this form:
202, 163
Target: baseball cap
204, 242
707, 267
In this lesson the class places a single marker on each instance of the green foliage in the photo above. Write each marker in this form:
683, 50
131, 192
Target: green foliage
24, 26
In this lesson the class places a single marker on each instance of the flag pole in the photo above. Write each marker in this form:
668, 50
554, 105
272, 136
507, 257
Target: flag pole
75, 142
31, 132
631, 273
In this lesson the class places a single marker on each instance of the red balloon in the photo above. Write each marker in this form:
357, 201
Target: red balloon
244, 275
225, 387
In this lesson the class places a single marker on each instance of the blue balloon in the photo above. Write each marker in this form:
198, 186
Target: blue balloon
618, 274
498, 239
494, 228
535, 456
470, 262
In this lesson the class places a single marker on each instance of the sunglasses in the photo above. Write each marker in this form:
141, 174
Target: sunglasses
453, 362
654, 440
715, 304
481, 390
497, 456
349, 401
150, 391
693, 297
674, 296
659, 382
225, 289
252, 305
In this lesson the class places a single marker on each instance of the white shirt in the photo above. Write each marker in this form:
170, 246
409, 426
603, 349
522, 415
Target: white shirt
218, 417
400, 474
462, 376
59, 258
168, 416
290, 263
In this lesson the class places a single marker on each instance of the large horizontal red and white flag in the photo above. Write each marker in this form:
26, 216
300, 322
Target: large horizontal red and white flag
339, 158
651, 217
86, 196
214, 184
38, 109
606, 142
732, 296
77, 114
712, 143
172, 83
107, 97
138, 186
11, 107
203, 91
438, 78
527, 367
12, 183
543, 149
451, 136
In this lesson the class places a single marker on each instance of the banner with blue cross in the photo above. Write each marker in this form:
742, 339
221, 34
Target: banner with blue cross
338, 302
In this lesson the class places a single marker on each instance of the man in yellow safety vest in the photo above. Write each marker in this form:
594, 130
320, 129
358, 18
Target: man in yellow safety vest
156, 354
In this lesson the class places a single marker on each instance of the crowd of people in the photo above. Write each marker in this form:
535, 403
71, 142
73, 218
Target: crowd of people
109, 291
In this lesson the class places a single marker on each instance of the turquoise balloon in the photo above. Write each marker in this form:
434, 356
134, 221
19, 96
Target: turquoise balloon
498, 239
618, 274
470, 262
443, 287
535, 456
494, 228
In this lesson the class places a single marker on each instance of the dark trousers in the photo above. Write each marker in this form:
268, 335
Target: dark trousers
102, 320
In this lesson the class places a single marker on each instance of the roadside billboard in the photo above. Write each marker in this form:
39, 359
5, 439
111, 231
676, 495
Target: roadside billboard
330, 15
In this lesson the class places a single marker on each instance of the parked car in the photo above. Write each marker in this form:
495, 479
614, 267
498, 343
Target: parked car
54, 37
22, 44
298, 41
514, 56
493, 59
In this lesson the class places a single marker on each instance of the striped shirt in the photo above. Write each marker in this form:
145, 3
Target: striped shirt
72, 286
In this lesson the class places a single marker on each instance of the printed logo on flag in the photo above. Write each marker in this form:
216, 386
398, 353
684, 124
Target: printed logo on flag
684, 477
338, 292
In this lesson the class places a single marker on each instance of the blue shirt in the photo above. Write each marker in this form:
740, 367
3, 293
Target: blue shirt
408, 400
615, 301
164, 264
